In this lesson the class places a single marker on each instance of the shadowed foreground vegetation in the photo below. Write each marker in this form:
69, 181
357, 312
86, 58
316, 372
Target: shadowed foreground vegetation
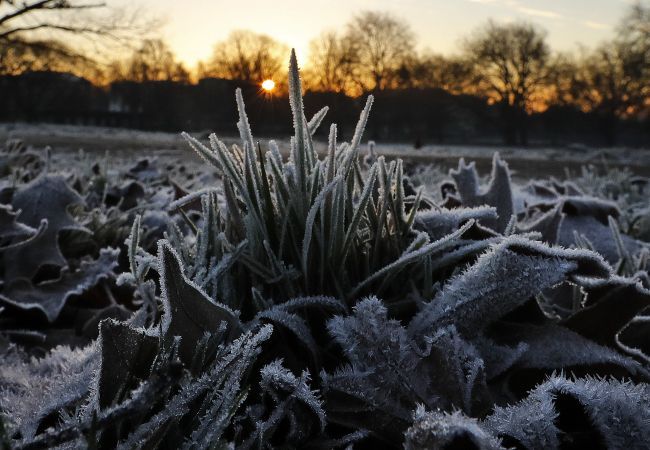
263, 301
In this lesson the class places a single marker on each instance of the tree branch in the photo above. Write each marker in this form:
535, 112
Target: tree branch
46, 5
51, 26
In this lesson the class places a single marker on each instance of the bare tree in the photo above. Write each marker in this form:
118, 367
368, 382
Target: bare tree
431, 70
332, 64
382, 46
633, 48
611, 81
153, 61
248, 56
17, 57
510, 63
602, 85
65, 30
634, 28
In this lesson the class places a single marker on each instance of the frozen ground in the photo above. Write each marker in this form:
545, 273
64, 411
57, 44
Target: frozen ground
525, 162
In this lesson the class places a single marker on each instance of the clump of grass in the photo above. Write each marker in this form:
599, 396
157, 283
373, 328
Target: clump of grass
308, 225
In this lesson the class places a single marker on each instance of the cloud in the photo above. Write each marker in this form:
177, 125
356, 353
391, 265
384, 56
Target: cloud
545, 13
516, 6
596, 25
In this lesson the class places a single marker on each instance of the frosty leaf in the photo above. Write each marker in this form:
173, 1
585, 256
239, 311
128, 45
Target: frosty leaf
226, 374
389, 374
497, 358
443, 431
497, 194
589, 206
611, 304
90, 327
298, 113
548, 224
51, 296
126, 196
189, 312
599, 234
32, 390
457, 372
126, 356
633, 338
501, 280
12, 232
374, 343
189, 201
585, 413
440, 223
530, 424
555, 347
383, 380
47, 197
552, 347
589, 217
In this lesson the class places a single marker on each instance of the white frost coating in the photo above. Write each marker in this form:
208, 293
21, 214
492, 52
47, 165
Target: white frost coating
297, 110
204, 152
226, 162
277, 378
318, 300
331, 153
619, 411
179, 203
479, 295
317, 119
361, 125
243, 125
275, 152
311, 217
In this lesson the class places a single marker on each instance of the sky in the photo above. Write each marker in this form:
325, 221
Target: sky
192, 27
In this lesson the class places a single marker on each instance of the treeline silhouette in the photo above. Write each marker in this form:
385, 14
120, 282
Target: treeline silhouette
414, 115
504, 86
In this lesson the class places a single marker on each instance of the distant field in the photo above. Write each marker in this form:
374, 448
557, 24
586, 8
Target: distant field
524, 162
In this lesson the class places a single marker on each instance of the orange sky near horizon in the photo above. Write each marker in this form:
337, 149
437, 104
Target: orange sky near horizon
192, 27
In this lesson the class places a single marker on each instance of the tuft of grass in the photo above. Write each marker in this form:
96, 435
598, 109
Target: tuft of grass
308, 225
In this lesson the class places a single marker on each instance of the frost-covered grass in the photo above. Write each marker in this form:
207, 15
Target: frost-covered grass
274, 296
528, 162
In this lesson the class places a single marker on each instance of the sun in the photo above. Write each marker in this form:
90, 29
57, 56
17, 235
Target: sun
268, 85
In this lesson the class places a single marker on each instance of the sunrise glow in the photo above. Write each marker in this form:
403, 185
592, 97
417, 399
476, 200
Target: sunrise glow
268, 85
